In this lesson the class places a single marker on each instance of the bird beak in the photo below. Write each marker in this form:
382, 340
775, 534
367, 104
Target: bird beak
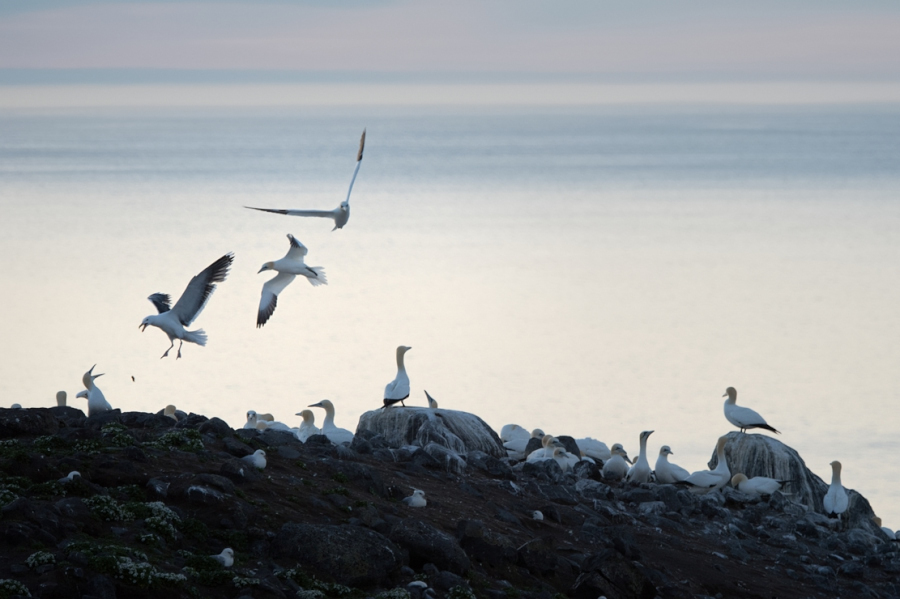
260, 270
725, 394
142, 326
315, 405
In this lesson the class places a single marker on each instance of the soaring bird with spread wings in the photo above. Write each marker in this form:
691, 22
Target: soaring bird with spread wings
339, 215
172, 320
287, 268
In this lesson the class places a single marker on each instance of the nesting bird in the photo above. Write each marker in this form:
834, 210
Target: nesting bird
704, 481
593, 448
398, 389
170, 412
515, 447
334, 433
417, 499
97, 403
667, 472
339, 215
758, 485
226, 558
287, 268
257, 459
70, 477
742, 417
616, 467
172, 319
308, 427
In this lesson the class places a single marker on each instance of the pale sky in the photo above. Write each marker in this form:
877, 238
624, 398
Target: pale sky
810, 40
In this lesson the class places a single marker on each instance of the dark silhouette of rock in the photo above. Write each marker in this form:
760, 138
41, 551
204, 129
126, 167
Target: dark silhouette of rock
31, 422
426, 544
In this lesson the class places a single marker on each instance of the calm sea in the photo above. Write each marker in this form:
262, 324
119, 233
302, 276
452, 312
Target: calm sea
590, 272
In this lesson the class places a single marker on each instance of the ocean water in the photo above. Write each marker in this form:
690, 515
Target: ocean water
593, 271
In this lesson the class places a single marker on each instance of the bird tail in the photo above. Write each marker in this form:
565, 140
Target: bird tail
768, 428
198, 337
320, 278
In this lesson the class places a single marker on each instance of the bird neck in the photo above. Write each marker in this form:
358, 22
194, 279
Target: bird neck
720, 457
836, 475
329, 417
400, 366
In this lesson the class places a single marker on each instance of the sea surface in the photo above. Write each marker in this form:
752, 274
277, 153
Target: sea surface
592, 271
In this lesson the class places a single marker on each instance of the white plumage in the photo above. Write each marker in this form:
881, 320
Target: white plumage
308, 427
226, 558
616, 467
593, 448
417, 499
667, 472
704, 481
335, 434
836, 500
640, 471
758, 485
97, 403
398, 389
287, 268
515, 447
742, 417
257, 459
432, 402
172, 319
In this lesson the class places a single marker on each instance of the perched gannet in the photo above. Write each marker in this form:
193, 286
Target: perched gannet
890, 533
267, 417
71, 476
335, 434
616, 467
257, 459
432, 402
836, 500
667, 472
264, 425
548, 444
513, 431
742, 417
640, 471
417, 499
172, 319
398, 389
704, 481
170, 412
252, 419
341, 214
593, 448
226, 558
537, 515
97, 403
515, 448
565, 459
61, 398
287, 268
758, 485
308, 427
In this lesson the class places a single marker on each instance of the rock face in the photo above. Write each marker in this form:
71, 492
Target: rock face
460, 432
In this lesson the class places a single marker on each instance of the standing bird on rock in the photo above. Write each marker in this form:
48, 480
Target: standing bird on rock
640, 472
287, 268
335, 434
704, 481
97, 403
836, 500
398, 389
339, 215
172, 320
742, 417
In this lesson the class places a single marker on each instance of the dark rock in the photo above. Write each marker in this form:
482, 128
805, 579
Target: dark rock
610, 574
277, 438
489, 464
585, 469
158, 488
239, 471
352, 555
533, 445
71, 416
426, 544
592, 489
144, 420
638, 495
237, 448
539, 556
289, 453
193, 421
449, 460
544, 469
852, 570
102, 587
320, 440
217, 427
570, 445
506, 516
559, 494
483, 545
32, 422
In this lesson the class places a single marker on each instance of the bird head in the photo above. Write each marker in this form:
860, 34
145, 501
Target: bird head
83, 394
646, 434
730, 393
229, 552
144, 324
325, 403
266, 266
537, 433
665, 450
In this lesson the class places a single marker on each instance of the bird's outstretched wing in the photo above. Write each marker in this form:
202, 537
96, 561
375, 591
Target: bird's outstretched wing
201, 287
162, 301
269, 299
297, 251
320, 213
359, 155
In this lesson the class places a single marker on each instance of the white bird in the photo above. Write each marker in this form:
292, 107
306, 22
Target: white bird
71, 476
264, 425
287, 268
510, 432
548, 444
257, 459
836, 500
515, 448
61, 398
417, 499
339, 215
398, 389
640, 471
432, 402
667, 472
704, 481
170, 412
308, 427
616, 467
593, 448
537, 515
252, 419
97, 403
742, 417
758, 485
335, 434
226, 558
172, 319
890, 533
565, 459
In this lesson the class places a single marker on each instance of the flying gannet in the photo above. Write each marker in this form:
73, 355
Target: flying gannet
172, 319
335, 434
704, 481
640, 471
287, 268
836, 500
432, 402
667, 472
398, 389
417, 499
226, 558
742, 417
616, 467
97, 403
758, 485
339, 215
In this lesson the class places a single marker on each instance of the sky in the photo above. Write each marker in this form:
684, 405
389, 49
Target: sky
656, 39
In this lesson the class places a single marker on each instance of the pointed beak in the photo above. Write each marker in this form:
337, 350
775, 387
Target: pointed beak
315, 405
725, 394
142, 326
260, 270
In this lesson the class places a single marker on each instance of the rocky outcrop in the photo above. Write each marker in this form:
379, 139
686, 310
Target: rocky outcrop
459, 432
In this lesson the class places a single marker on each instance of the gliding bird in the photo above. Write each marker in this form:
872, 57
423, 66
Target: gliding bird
287, 268
341, 214
172, 320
